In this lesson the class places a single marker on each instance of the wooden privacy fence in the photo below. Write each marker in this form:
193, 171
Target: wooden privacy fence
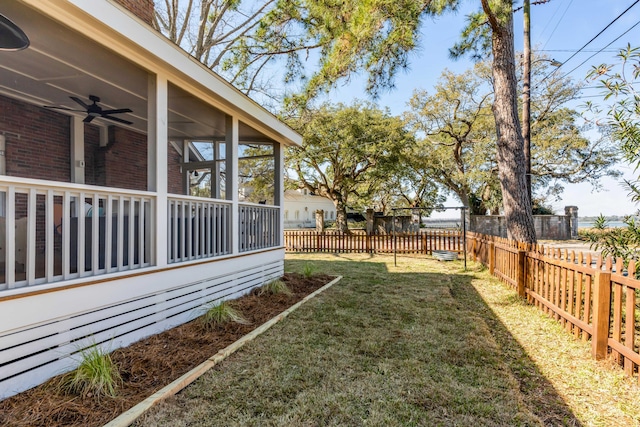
592, 298
423, 242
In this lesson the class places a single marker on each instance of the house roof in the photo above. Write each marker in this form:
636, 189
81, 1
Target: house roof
81, 48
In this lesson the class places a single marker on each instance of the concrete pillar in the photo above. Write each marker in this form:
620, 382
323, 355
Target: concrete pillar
572, 213
319, 220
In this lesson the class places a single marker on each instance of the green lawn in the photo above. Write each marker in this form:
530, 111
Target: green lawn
423, 343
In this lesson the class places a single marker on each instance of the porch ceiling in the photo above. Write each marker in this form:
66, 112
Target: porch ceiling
61, 62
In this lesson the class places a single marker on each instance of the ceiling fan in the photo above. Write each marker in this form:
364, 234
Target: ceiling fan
11, 36
94, 110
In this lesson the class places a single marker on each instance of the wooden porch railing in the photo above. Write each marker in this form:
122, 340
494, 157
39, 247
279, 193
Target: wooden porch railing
197, 228
51, 231
592, 298
259, 226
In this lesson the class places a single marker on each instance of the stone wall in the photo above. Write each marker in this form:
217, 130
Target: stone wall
548, 227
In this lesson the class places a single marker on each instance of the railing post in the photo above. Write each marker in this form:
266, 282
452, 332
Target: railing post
601, 314
492, 257
520, 273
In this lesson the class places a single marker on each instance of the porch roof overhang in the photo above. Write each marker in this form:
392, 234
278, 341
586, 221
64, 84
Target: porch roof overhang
97, 47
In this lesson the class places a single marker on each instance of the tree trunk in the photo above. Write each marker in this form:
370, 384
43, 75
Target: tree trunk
341, 217
511, 161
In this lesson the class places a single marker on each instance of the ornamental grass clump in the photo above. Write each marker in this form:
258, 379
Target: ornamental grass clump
275, 287
308, 270
96, 376
221, 313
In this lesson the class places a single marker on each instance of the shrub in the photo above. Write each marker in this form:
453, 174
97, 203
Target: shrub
621, 242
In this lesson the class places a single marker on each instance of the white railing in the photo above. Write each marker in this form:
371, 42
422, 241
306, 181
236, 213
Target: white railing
51, 231
259, 227
197, 228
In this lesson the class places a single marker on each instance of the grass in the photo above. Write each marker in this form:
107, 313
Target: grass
423, 343
95, 376
275, 287
219, 313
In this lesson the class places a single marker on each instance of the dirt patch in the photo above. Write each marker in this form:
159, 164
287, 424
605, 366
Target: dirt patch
148, 365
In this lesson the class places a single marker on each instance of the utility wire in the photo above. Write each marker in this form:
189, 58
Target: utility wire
613, 41
558, 23
588, 43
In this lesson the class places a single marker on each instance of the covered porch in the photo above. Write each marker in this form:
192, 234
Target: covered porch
186, 175
136, 187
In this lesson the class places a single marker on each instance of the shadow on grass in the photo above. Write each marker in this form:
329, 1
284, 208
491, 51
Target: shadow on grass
401, 347
458, 331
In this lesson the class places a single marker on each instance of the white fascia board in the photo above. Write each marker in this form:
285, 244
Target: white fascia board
141, 44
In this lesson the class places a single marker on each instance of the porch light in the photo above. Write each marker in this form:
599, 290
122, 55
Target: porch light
11, 36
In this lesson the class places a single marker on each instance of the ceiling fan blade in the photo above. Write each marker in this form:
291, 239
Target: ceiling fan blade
118, 111
116, 119
80, 101
88, 119
54, 107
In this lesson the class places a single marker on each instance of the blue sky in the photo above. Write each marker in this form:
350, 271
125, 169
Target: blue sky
559, 28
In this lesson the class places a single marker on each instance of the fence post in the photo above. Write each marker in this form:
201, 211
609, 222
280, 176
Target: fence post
492, 257
473, 249
520, 273
601, 314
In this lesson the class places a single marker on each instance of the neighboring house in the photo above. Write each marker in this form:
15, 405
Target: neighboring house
300, 208
115, 228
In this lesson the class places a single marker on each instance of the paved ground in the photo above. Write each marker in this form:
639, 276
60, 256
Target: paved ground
570, 245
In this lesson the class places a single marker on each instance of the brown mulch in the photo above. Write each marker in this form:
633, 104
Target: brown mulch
150, 364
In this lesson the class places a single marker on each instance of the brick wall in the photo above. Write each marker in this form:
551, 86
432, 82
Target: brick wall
123, 162
143, 9
91, 145
37, 141
174, 184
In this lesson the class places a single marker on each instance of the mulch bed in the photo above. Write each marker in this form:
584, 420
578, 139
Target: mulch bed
150, 364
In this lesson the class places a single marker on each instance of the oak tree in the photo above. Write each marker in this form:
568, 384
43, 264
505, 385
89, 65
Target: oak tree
348, 153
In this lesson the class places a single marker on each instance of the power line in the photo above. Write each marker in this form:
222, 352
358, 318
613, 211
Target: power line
575, 50
588, 43
613, 41
558, 23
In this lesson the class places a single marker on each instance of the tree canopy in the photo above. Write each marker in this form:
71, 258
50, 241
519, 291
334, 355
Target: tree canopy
458, 144
349, 152
241, 40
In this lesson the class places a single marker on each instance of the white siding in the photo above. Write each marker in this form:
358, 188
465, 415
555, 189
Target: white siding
40, 333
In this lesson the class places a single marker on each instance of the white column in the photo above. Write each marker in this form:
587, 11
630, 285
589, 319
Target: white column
157, 141
278, 196
77, 150
186, 175
3, 171
231, 169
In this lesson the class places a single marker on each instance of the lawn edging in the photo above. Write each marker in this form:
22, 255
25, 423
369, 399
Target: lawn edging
127, 418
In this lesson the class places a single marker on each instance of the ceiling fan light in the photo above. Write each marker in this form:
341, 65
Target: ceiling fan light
12, 38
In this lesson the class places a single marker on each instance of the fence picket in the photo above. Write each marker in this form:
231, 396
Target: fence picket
424, 242
593, 298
